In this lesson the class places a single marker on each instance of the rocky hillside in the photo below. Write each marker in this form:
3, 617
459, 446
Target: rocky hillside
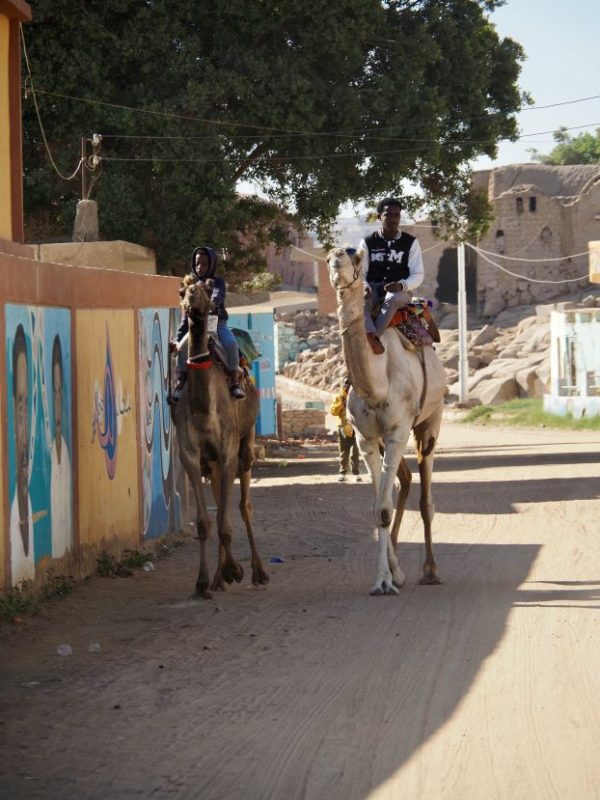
508, 355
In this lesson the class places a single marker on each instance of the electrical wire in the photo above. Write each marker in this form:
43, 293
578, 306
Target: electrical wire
396, 151
352, 132
39, 117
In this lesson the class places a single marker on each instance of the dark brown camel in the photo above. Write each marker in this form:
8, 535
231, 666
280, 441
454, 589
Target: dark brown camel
216, 436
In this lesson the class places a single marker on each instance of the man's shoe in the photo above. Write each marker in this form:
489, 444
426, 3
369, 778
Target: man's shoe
237, 392
357, 479
375, 342
342, 478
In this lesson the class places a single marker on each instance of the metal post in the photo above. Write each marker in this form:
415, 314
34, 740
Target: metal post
463, 362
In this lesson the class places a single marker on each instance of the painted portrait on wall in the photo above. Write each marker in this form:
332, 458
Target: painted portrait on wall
38, 350
161, 468
107, 445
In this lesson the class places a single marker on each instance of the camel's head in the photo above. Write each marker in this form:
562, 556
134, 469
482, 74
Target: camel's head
344, 265
196, 300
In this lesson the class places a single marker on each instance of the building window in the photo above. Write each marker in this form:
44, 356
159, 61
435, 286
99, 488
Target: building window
500, 241
533, 204
546, 237
519, 205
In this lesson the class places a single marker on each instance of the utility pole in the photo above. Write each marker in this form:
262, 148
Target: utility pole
463, 361
83, 167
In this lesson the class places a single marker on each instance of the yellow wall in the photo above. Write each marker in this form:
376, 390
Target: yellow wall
108, 506
5, 179
2, 540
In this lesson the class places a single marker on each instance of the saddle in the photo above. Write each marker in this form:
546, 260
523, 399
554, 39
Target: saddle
415, 324
219, 357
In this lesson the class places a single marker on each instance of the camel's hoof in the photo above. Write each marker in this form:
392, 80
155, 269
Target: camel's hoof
233, 572
383, 587
430, 580
218, 584
202, 594
260, 578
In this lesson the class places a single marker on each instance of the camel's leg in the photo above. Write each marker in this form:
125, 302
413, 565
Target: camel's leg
426, 434
405, 478
388, 573
246, 457
191, 463
228, 569
218, 584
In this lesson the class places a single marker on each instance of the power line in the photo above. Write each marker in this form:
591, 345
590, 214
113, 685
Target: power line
315, 156
205, 120
181, 137
39, 116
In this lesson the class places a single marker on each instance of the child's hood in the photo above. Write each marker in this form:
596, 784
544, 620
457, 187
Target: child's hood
212, 256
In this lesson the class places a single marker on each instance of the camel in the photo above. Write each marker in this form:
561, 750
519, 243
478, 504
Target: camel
216, 435
392, 393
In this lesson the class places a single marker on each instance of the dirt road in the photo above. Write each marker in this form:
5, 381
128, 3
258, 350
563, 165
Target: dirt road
485, 687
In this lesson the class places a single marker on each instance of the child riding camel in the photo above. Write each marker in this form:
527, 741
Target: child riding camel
204, 267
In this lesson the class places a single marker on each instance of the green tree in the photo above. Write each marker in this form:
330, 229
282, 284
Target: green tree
581, 149
319, 103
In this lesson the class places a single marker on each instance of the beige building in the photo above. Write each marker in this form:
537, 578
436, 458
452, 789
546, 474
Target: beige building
545, 217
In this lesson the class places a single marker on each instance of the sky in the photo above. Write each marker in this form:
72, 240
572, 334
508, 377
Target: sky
561, 39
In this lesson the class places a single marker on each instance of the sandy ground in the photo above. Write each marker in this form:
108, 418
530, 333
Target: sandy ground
485, 687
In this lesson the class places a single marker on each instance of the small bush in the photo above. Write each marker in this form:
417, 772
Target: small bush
26, 598
109, 567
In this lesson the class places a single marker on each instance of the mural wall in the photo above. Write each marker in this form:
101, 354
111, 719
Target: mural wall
39, 436
162, 475
107, 468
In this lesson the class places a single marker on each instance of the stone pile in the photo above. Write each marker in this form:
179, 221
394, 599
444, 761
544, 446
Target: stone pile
508, 356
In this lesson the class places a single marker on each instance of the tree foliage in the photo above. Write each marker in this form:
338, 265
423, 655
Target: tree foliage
581, 149
318, 103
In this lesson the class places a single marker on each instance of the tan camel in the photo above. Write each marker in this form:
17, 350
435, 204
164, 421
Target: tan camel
216, 435
392, 393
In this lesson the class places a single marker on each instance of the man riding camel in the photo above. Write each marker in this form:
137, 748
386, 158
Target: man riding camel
392, 268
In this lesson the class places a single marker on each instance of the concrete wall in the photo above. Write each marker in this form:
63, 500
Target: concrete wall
574, 363
88, 452
124, 256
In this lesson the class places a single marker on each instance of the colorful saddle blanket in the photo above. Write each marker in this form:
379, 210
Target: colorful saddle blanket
416, 322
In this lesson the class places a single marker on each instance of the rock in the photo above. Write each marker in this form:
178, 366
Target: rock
486, 335
530, 383
497, 390
493, 306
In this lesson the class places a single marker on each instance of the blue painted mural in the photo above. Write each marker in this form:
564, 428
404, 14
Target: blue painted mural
38, 358
162, 475
261, 326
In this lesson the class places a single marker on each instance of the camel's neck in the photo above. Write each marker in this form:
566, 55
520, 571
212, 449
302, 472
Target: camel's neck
199, 380
357, 351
